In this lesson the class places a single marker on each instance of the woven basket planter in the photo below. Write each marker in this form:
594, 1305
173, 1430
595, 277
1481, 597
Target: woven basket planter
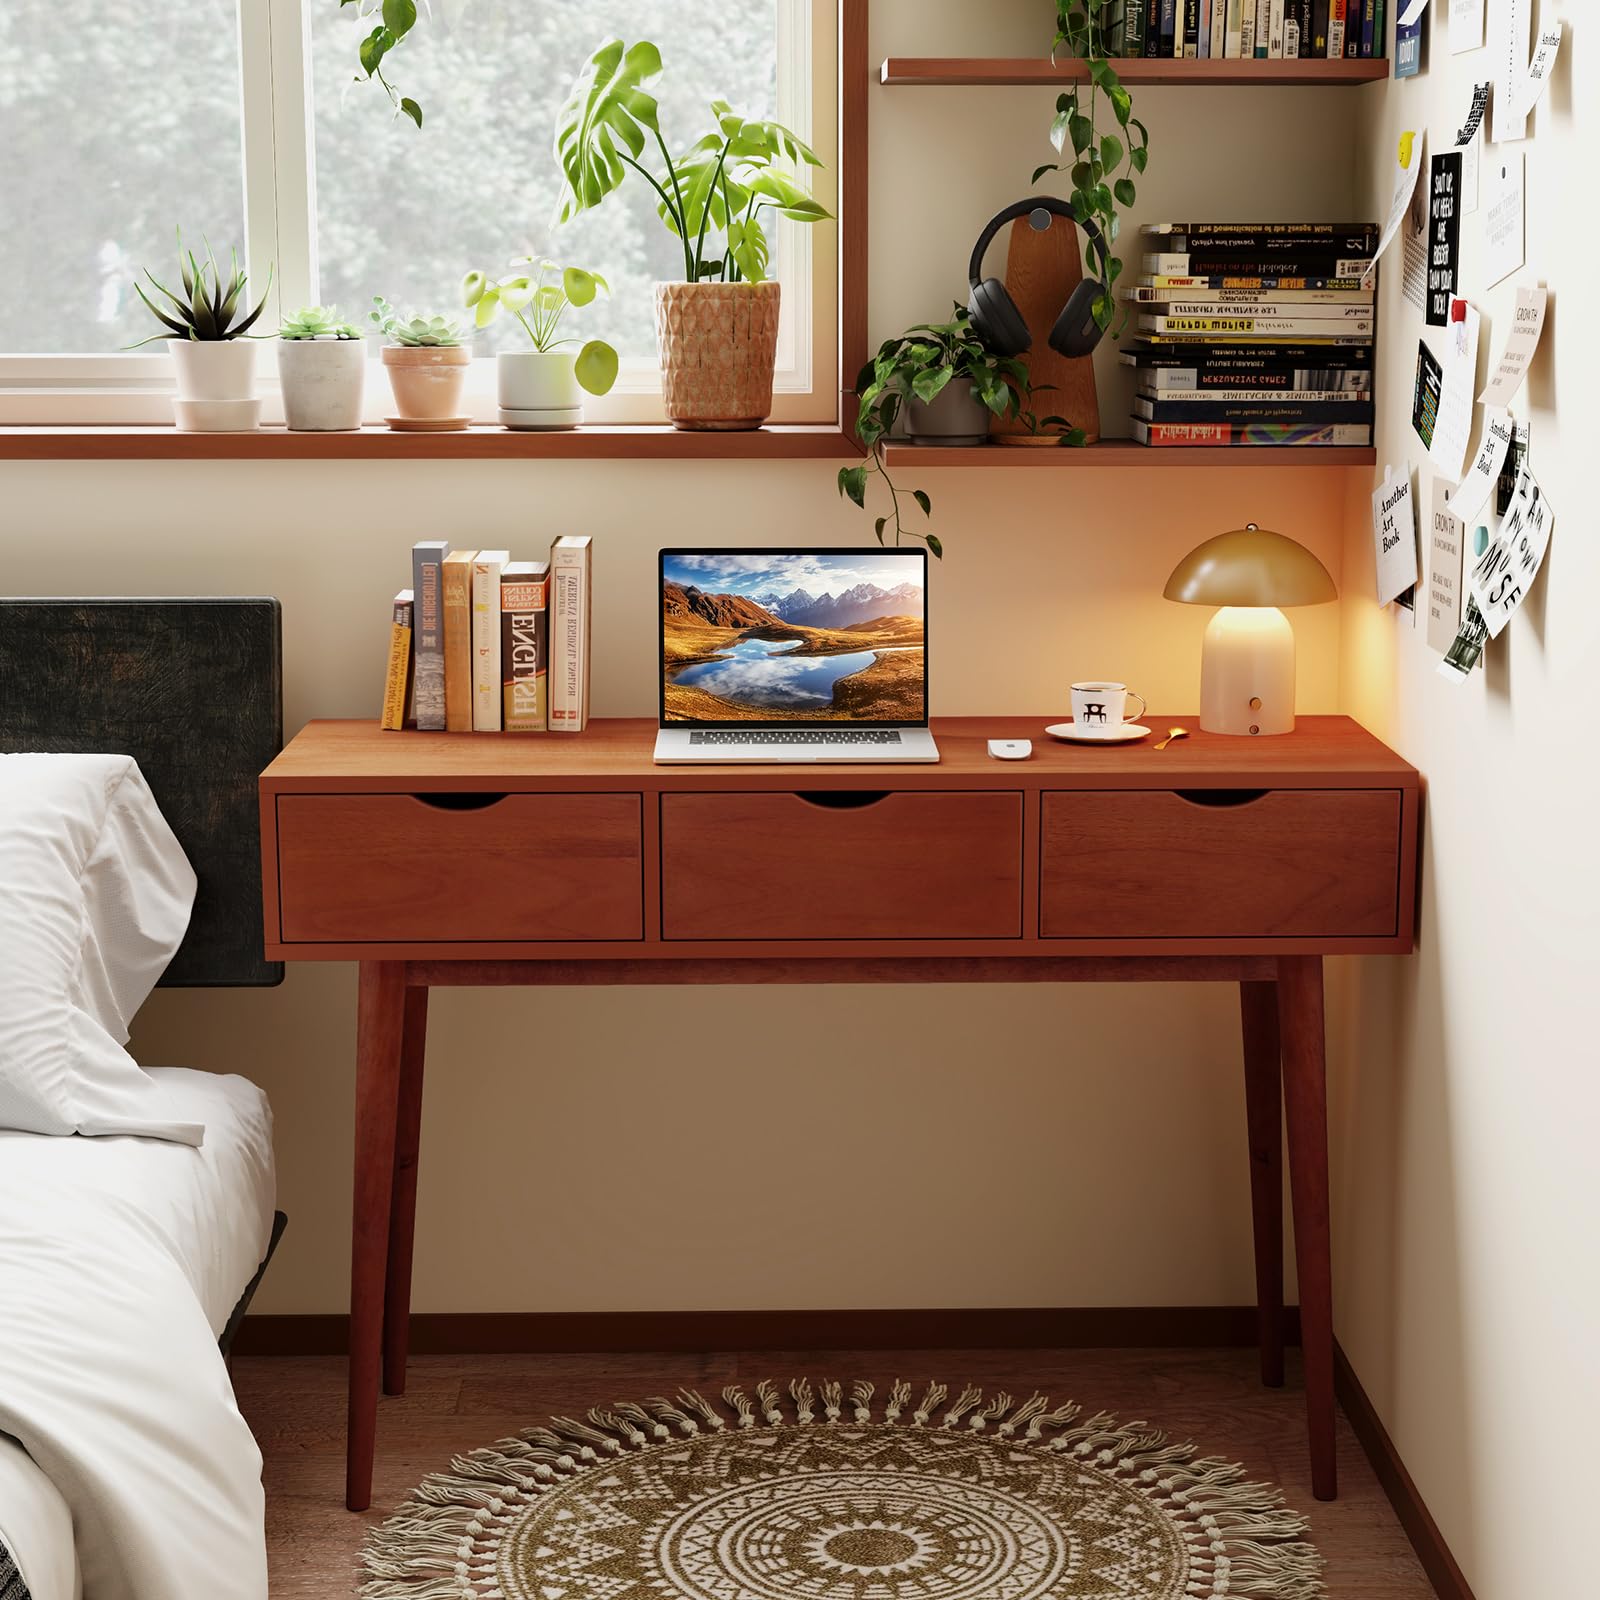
719, 343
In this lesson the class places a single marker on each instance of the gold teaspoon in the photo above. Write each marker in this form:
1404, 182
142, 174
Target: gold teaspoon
1173, 733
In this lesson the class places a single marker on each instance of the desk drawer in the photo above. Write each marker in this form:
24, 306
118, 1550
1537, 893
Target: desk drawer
401, 869
1161, 864
841, 865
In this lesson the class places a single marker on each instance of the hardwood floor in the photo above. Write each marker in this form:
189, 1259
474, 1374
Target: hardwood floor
451, 1404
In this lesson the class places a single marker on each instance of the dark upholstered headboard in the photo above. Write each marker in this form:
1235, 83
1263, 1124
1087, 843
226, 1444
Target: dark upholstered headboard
193, 691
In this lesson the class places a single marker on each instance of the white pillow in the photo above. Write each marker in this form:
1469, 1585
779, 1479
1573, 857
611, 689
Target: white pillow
95, 895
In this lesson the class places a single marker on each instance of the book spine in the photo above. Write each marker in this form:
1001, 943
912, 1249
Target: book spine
1152, 28
524, 657
1268, 409
1372, 38
1243, 359
1296, 29
1328, 317
1345, 242
457, 609
1203, 49
427, 587
1319, 29
1233, 37
1223, 263
1219, 28
486, 683
1263, 29
1204, 378
1191, 30
1168, 394
1275, 21
1247, 31
1224, 284
1260, 433
399, 668
1352, 30
1250, 327
1169, 27
569, 639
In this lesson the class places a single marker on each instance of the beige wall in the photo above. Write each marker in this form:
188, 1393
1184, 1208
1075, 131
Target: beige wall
1465, 1098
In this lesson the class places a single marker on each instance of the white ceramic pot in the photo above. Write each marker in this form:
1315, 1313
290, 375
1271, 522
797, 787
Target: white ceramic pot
214, 369
322, 381
539, 389
217, 416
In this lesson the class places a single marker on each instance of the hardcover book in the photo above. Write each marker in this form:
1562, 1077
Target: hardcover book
1180, 434
486, 686
570, 581
457, 606
398, 675
427, 562
525, 646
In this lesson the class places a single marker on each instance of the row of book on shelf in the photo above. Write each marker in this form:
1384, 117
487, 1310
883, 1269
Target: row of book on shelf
1254, 333
1236, 30
483, 644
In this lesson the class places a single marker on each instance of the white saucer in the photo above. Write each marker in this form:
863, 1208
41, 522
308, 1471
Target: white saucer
1126, 733
551, 420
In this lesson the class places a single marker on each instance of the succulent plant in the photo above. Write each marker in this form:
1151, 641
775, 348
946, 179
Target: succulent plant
209, 303
317, 322
415, 330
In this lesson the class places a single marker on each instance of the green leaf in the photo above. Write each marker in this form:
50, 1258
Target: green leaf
928, 386
879, 526
936, 547
399, 16
1139, 157
853, 484
1039, 172
410, 108
1111, 151
374, 48
1059, 129
596, 366
607, 108
488, 304
579, 285
1125, 192
1121, 104
472, 288
921, 497
1082, 130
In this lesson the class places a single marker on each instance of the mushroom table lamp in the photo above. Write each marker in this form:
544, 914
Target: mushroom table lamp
1247, 665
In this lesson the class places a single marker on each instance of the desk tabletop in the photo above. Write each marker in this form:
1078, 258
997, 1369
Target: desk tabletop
1322, 752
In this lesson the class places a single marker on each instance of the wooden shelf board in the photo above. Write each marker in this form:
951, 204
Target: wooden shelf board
974, 71
1126, 454
779, 442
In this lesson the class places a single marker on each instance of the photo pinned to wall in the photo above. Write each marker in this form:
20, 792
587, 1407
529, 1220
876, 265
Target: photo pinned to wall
1467, 649
1452, 430
1466, 26
1444, 236
1503, 216
1522, 343
1484, 474
1446, 542
1425, 395
1394, 538
1511, 467
1503, 575
1541, 68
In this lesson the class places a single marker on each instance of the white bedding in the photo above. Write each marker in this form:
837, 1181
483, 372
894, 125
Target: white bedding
129, 1473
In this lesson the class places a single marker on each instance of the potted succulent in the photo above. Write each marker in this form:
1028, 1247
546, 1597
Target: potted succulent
207, 331
542, 388
946, 384
717, 329
321, 370
427, 360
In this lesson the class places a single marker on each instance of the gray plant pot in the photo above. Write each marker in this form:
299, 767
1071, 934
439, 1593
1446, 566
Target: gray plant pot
955, 417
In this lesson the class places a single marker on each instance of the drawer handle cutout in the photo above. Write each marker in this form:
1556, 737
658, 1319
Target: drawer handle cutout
843, 799
467, 800
1220, 798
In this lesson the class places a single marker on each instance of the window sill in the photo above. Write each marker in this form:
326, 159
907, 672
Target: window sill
809, 441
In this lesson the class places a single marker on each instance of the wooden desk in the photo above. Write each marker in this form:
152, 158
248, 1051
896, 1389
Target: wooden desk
552, 859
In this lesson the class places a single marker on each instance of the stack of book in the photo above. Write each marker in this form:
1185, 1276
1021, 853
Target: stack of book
1254, 333
483, 644
1240, 29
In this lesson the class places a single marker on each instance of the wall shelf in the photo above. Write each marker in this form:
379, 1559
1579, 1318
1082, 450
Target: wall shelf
976, 71
1129, 456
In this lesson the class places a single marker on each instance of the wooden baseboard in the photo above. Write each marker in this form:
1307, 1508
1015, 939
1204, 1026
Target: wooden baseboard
1447, 1578
615, 1332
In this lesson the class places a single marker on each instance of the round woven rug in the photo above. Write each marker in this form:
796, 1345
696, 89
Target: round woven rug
814, 1494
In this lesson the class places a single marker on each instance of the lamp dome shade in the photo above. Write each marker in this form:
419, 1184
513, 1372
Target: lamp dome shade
1250, 566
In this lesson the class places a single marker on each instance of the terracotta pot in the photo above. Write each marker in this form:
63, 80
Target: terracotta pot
719, 344
427, 380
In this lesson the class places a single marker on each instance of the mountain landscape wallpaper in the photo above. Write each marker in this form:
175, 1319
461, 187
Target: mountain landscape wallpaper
820, 637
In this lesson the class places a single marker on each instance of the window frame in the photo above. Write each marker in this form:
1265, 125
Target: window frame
133, 390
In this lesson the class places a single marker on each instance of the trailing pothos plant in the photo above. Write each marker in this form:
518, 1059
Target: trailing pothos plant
396, 18
920, 364
1109, 144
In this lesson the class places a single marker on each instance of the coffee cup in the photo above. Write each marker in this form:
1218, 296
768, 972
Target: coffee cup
1103, 705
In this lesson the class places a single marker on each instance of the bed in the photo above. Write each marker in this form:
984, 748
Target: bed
126, 1470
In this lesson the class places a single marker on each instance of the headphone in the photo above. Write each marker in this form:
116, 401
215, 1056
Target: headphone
994, 313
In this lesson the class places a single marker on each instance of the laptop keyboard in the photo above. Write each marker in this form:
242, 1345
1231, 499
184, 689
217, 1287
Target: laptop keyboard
737, 736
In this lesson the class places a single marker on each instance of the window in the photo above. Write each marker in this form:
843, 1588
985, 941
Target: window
252, 129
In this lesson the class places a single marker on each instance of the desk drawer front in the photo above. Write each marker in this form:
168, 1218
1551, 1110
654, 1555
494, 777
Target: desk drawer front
1157, 864
841, 866
399, 869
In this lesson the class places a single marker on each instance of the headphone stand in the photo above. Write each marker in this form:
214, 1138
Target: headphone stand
1042, 270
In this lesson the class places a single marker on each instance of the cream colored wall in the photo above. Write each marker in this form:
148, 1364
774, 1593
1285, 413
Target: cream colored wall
844, 1147
1465, 1092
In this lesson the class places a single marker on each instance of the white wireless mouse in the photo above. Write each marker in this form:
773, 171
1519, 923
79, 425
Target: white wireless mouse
1011, 749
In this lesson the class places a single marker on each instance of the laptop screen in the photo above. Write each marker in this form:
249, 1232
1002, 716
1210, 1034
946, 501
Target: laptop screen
800, 638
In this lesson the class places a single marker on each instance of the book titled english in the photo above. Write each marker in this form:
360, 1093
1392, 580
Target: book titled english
525, 646
570, 580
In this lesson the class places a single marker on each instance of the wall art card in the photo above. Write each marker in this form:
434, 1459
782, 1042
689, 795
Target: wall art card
1510, 40
1444, 235
1541, 68
1527, 326
1467, 650
1408, 45
1425, 395
1414, 250
1469, 141
1502, 216
1466, 26
1394, 535
1511, 469
1504, 573
1452, 428
1445, 539
1473, 495
1409, 159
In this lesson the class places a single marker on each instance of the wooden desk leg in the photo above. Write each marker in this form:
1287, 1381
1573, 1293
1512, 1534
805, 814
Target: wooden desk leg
1300, 1015
380, 1019
403, 1195
1263, 1098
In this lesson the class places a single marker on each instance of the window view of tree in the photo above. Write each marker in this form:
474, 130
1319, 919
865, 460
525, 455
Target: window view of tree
404, 213
116, 132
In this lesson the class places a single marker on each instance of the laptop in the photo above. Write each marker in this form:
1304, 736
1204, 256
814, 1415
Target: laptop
794, 656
